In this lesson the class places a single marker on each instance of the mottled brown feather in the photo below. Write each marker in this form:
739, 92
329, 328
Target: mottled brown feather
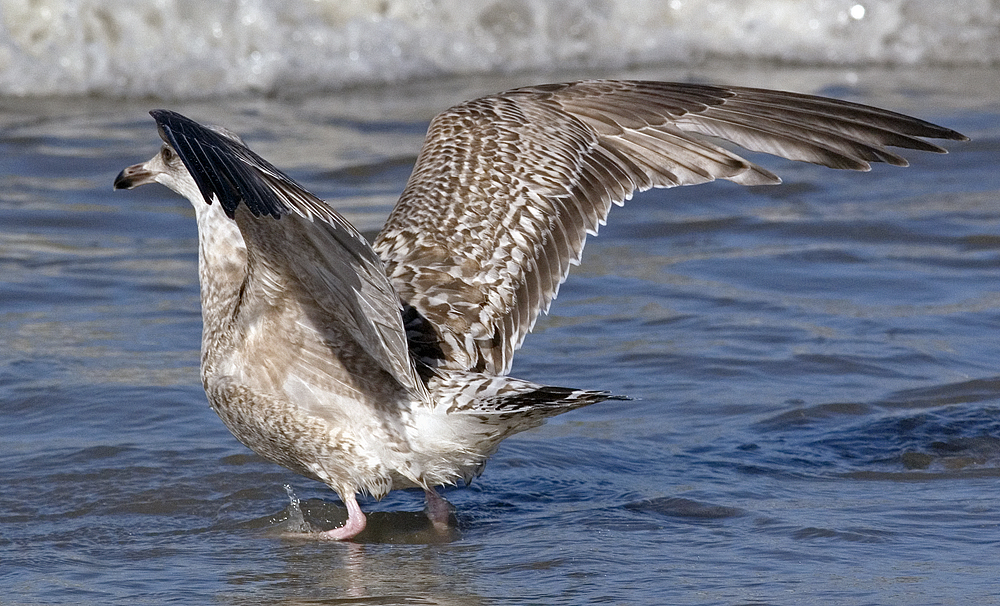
507, 187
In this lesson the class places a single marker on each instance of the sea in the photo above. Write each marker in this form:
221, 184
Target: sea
815, 398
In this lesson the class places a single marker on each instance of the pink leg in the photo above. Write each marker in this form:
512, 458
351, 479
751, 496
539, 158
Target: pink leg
437, 509
353, 526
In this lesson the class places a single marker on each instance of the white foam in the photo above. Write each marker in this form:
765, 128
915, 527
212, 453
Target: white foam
190, 48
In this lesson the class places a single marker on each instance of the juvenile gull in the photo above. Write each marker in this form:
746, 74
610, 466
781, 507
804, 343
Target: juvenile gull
373, 368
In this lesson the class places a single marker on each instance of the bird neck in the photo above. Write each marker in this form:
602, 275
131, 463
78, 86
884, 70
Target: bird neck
222, 263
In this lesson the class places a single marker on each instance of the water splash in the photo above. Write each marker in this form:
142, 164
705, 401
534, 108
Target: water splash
295, 520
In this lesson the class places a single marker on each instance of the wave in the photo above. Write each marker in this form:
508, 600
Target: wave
195, 49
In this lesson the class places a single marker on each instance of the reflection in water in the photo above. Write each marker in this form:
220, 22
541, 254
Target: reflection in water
306, 570
302, 519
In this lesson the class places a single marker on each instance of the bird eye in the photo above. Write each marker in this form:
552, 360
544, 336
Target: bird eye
168, 153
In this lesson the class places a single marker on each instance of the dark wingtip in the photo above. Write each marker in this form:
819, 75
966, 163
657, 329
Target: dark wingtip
940, 132
222, 167
178, 131
165, 120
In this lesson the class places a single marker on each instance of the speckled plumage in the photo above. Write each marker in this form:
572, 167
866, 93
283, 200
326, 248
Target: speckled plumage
372, 368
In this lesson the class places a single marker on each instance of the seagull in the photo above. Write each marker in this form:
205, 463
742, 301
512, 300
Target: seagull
379, 367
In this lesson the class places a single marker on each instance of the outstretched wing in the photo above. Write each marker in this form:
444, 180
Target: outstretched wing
506, 189
297, 246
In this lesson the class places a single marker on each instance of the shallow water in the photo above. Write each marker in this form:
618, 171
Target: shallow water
813, 366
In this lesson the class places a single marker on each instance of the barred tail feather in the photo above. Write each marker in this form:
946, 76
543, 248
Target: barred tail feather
475, 412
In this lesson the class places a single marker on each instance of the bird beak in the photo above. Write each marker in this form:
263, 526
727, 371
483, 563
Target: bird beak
134, 176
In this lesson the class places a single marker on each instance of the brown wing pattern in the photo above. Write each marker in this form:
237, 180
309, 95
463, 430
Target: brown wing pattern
506, 188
